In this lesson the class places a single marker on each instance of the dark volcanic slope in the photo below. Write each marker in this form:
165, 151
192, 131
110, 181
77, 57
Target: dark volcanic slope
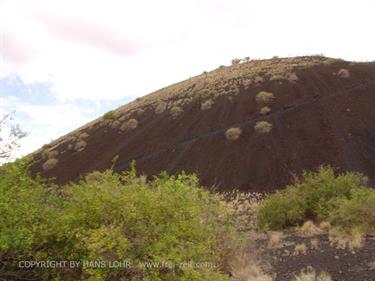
323, 112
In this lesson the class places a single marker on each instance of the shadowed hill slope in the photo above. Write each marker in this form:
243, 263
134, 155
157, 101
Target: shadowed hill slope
289, 115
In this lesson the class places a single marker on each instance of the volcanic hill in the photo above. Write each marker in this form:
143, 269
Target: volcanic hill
253, 125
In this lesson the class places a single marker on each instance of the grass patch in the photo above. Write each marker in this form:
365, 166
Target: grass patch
80, 145
110, 115
160, 107
263, 127
233, 134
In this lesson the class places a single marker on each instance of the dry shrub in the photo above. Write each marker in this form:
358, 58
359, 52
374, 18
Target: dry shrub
50, 164
314, 244
242, 207
176, 111
309, 229
292, 77
233, 134
342, 240
207, 104
325, 226
129, 125
83, 136
343, 73
300, 249
244, 263
263, 127
50, 154
160, 107
80, 145
309, 274
115, 124
264, 97
274, 239
265, 110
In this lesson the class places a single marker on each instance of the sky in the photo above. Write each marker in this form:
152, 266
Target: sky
64, 63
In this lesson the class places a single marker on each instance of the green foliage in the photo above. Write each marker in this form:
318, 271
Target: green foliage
320, 196
112, 217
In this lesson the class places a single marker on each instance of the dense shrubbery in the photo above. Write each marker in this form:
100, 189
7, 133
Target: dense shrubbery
344, 200
111, 217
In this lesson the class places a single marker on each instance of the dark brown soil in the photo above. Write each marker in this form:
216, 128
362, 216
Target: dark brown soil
319, 119
341, 264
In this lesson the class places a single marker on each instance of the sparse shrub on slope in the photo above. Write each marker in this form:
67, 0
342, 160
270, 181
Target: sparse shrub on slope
343, 73
263, 127
233, 134
129, 125
344, 200
207, 104
111, 217
264, 97
265, 110
50, 164
176, 111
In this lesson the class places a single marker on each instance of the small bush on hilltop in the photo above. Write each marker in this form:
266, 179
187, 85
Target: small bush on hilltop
111, 217
343, 200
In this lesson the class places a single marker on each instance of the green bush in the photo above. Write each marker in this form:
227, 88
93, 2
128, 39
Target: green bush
112, 217
319, 196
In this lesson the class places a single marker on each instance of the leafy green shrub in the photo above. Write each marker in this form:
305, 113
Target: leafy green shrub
356, 213
112, 217
319, 196
264, 97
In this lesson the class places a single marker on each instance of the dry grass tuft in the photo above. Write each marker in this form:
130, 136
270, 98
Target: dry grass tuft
263, 127
244, 264
80, 145
233, 134
300, 249
264, 97
176, 111
274, 239
310, 274
341, 240
207, 104
325, 226
343, 73
50, 164
160, 107
265, 110
129, 125
309, 229
314, 244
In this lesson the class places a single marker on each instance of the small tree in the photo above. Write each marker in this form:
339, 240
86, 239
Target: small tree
10, 134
